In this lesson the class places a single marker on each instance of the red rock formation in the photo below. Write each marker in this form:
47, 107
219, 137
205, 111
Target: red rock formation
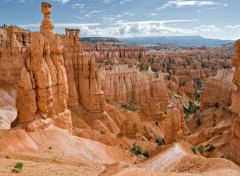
234, 151
127, 85
84, 83
189, 88
43, 88
114, 52
190, 63
218, 90
175, 127
52, 71
12, 54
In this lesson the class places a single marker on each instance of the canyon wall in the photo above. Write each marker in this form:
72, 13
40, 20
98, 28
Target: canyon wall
84, 84
218, 90
113, 53
93, 87
127, 86
13, 44
234, 150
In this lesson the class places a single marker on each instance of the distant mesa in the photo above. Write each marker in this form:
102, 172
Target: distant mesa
101, 40
184, 41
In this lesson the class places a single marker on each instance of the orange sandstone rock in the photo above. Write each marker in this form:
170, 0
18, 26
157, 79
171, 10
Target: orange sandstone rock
234, 151
43, 87
175, 127
218, 90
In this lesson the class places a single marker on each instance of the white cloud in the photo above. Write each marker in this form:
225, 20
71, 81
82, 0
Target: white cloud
12, 1
147, 28
208, 28
124, 1
232, 27
128, 14
124, 29
107, 1
156, 22
185, 3
153, 14
92, 12
61, 25
150, 28
62, 1
81, 6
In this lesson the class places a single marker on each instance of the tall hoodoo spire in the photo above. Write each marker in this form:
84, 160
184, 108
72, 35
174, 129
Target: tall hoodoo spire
46, 10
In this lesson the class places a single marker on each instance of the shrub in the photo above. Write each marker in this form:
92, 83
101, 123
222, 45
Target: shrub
199, 122
200, 87
130, 108
204, 65
197, 94
222, 155
214, 124
146, 153
191, 108
200, 84
18, 165
210, 147
7, 157
154, 69
160, 141
201, 149
194, 149
181, 169
182, 84
221, 133
169, 76
50, 148
137, 149
214, 120
216, 105
109, 62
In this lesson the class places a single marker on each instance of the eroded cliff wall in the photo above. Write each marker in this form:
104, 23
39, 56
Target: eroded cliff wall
234, 150
218, 90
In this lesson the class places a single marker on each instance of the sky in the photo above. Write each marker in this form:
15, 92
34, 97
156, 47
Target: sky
219, 19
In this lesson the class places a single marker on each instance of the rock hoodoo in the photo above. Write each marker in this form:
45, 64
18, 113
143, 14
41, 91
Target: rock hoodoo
43, 87
175, 127
84, 85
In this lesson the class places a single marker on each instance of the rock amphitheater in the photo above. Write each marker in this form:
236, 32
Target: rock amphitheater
73, 108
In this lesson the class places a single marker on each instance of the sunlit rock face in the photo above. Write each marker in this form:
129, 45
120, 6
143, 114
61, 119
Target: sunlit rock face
124, 85
175, 127
114, 53
43, 88
234, 151
13, 51
218, 90
84, 84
